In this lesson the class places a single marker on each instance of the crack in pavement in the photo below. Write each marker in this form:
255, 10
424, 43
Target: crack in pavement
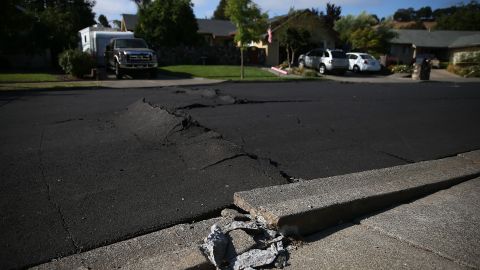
50, 197
396, 156
223, 160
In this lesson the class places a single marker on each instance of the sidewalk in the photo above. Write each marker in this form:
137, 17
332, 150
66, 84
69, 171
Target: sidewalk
161, 81
439, 231
418, 216
437, 75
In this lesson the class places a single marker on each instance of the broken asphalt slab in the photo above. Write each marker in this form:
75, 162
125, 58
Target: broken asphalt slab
113, 176
307, 207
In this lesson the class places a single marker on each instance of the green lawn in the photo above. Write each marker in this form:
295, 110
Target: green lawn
219, 72
28, 77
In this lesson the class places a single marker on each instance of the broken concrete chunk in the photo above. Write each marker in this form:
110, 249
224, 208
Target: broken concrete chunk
241, 225
241, 241
215, 246
233, 214
255, 258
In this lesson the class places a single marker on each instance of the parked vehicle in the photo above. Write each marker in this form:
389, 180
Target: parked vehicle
325, 60
95, 39
360, 62
130, 54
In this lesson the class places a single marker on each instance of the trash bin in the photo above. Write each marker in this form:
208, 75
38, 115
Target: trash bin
425, 70
417, 68
421, 71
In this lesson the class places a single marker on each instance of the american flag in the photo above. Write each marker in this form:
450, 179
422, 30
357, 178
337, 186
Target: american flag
269, 32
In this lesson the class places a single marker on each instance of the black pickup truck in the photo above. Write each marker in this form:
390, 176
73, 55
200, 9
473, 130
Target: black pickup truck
125, 55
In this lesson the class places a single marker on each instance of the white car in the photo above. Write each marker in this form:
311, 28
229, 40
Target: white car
359, 62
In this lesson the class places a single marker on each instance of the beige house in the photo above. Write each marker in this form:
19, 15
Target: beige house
321, 35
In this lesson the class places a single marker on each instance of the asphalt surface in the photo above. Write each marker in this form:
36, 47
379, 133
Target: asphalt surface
85, 168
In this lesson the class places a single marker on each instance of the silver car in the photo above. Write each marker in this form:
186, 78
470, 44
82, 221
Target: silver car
325, 60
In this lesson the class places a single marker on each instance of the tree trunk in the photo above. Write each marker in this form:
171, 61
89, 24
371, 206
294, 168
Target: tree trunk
242, 72
293, 57
288, 57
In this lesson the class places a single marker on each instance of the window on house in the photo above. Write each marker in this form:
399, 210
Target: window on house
85, 38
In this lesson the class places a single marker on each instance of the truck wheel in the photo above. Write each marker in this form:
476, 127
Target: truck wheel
118, 71
322, 69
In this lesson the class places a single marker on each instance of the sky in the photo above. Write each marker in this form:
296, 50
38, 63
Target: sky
205, 8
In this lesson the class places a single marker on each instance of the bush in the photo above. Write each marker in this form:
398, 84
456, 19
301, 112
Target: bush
76, 62
309, 73
400, 69
465, 71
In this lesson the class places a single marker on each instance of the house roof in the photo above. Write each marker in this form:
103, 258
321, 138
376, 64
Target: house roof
437, 39
130, 21
217, 28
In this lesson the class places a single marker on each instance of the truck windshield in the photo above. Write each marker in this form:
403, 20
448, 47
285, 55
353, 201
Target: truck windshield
130, 43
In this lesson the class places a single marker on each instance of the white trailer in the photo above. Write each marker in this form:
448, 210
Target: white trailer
94, 40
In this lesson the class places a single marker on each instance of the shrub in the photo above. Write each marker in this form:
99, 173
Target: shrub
401, 69
76, 62
444, 65
309, 73
465, 71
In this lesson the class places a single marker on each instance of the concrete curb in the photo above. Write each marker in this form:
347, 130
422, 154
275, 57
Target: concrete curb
307, 207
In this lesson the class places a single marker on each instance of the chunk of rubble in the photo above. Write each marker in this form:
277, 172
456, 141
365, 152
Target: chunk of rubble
249, 244
215, 246
235, 225
241, 241
257, 257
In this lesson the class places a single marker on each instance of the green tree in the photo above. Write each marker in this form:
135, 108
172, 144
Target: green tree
102, 19
363, 33
251, 23
332, 14
117, 24
405, 15
424, 13
293, 38
168, 23
464, 17
219, 13
36, 25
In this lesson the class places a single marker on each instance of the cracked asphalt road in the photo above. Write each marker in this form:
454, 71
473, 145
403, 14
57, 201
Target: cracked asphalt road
84, 168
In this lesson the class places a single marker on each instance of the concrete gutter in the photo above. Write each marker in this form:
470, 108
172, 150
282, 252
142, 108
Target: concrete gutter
307, 207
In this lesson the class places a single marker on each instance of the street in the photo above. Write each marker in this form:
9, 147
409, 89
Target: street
85, 168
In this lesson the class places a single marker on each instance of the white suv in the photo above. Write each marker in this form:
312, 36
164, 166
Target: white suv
325, 60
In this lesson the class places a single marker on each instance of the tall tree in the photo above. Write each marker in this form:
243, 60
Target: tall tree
363, 33
405, 15
424, 13
251, 23
219, 13
332, 14
102, 19
52, 24
293, 38
464, 17
167, 23
142, 4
